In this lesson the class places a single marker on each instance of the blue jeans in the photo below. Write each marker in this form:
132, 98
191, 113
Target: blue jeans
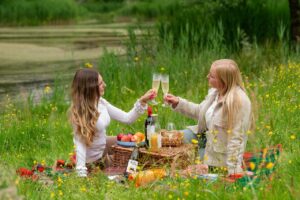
188, 136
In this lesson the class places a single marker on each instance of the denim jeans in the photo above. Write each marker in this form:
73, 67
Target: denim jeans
189, 135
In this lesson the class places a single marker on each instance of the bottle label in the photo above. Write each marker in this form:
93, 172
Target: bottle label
159, 141
150, 130
132, 166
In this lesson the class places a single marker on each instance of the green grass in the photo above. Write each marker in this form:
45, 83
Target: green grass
41, 133
24, 12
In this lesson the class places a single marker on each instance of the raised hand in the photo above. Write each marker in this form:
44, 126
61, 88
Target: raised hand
171, 99
149, 95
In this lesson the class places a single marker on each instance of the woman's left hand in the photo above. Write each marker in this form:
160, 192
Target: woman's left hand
150, 94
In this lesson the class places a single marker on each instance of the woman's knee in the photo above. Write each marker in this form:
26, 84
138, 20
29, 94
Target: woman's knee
188, 136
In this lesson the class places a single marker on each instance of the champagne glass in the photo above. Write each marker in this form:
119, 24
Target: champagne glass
165, 85
170, 128
155, 84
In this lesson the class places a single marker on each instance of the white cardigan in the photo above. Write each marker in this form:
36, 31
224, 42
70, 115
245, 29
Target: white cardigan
85, 154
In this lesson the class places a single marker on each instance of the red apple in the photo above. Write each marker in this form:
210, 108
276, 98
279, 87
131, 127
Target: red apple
119, 136
125, 138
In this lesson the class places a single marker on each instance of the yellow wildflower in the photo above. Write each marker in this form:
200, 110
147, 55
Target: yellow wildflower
290, 161
59, 180
52, 195
252, 165
194, 141
229, 131
186, 193
47, 89
293, 137
88, 65
162, 69
270, 165
270, 133
249, 132
60, 193
136, 58
170, 196
83, 189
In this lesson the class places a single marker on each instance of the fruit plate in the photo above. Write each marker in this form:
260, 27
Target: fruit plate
128, 144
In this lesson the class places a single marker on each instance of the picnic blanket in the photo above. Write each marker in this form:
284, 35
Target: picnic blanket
261, 163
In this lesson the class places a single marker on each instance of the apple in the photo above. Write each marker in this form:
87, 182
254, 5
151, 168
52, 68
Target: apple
125, 138
130, 135
119, 136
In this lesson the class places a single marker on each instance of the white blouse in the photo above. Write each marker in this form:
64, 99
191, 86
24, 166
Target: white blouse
209, 112
85, 154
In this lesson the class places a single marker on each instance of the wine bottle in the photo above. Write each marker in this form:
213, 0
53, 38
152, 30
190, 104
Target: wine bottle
132, 162
149, 127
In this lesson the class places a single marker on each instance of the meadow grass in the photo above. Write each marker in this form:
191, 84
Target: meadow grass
40, 132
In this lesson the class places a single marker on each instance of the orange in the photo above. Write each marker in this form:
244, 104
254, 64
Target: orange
141, 136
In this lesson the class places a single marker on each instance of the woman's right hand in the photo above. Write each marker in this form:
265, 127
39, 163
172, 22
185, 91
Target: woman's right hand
171, 99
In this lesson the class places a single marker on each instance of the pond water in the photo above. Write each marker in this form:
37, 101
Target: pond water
32, 57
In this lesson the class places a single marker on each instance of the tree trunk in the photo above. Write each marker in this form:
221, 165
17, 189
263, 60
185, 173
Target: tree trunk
295, 19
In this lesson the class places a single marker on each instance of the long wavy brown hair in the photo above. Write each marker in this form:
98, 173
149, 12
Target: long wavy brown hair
85, 96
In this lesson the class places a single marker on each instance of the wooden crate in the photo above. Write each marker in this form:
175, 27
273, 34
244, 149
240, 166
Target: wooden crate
180, 156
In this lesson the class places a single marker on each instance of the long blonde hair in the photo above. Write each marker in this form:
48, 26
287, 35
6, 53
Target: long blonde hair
229, 74
85, 96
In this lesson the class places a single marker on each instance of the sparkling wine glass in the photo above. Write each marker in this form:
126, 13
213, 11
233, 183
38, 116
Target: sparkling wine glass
170, 128
165, 85
155, 85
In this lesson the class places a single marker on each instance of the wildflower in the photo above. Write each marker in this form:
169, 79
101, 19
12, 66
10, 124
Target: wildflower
186, 193
270, 133
88, 65
162, 69
270, 165
52, 195
215, 140
17, 181
170, 196
136, 58
47, 89
249, 132
60, 193
293, 137
194, 141
197, 161
59, 180
83, 189
267, 95
252, 166
229, 131
290, 161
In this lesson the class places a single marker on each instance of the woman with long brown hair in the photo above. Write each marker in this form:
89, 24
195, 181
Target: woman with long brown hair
224, 116
90, 114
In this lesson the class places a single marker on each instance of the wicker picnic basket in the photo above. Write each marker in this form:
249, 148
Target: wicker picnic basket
181, 156
171, 138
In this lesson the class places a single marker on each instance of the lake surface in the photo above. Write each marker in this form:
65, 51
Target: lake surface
32, 57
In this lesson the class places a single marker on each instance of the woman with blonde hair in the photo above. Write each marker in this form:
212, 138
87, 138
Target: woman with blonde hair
224, 116
90, 115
